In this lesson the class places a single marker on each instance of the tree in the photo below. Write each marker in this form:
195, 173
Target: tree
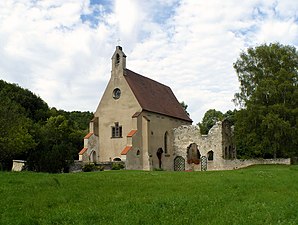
230, 116
56, 147
15, 138
184, 106
266, 125
209, 120
34, 107
47, 138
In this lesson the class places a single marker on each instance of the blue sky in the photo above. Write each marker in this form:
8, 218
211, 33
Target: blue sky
61, 49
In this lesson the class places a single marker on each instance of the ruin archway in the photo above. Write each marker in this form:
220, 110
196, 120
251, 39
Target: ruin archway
193, 154
210, 155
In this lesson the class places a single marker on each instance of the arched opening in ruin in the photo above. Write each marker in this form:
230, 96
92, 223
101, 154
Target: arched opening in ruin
210, 155
117, 160
229, 153
179, 163
193, 154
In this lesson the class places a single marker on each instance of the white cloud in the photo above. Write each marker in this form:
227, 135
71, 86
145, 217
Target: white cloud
188, 45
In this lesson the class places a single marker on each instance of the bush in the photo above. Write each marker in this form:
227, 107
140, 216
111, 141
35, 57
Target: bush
100, 168
89, 167
117, 166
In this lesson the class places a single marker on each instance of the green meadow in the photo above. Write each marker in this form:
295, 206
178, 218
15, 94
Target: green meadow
256, 195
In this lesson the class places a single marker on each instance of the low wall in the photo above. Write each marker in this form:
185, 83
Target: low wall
239, 163
18, 165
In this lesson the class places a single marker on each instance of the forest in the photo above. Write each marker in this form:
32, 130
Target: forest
47, 138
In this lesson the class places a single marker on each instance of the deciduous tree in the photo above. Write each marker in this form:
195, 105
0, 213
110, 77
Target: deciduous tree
266, 125
15, 138
210, 118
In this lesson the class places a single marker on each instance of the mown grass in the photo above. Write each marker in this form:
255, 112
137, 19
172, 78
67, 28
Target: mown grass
257, 195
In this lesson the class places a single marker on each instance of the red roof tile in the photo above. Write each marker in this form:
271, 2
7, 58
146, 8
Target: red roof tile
88, 135
154, 96
131, 133
126, 150
83, 151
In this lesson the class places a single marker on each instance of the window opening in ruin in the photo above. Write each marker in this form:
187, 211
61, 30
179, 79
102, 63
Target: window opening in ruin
117, 160
193, 154
226, 153
210, 155
230, 154
166, 142
138, 152
116, 131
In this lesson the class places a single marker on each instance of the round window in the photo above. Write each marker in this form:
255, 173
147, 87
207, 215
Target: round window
116, 93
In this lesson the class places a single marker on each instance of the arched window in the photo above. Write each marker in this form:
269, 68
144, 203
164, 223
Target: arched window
117, 160
166, 142
93, 157
117, 59
210, 155
138, 152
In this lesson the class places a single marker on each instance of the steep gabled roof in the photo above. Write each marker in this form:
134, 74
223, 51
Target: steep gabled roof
154, 96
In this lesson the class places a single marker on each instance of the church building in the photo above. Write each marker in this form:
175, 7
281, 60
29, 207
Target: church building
133, 121
141, 123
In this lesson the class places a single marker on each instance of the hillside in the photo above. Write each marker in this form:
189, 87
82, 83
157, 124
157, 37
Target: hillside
27, 128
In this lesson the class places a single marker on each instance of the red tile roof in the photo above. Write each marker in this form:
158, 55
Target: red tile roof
132, 133
154, 96
88, 135
83, 151
126, 150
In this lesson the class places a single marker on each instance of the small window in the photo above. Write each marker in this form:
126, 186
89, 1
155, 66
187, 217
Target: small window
138, 152
117, 160
210, 155
166, 142
117, 59
116, 131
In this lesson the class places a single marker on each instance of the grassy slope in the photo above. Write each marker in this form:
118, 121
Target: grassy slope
258, 195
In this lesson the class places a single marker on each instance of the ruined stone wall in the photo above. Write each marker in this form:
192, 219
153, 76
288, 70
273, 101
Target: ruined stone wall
219, 140
238, 163
184, 136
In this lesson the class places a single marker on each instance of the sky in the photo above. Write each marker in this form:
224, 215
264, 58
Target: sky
61, 49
